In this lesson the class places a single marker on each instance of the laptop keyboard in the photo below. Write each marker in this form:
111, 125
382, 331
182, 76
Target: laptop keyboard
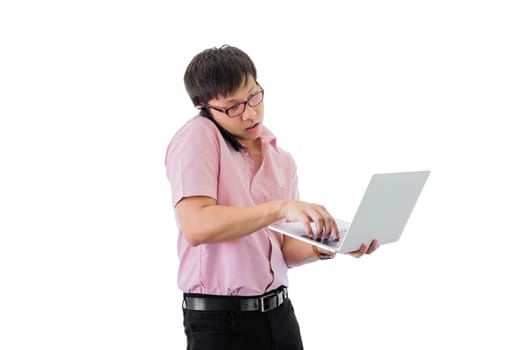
331, 241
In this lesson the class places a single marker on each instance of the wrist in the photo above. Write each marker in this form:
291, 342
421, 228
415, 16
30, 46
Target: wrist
322, 254
281, 208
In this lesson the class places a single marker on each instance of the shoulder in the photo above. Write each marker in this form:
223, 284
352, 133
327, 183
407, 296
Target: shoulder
197, 125
196, 137
197, 130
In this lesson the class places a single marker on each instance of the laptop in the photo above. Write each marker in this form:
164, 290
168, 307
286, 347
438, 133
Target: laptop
382, 214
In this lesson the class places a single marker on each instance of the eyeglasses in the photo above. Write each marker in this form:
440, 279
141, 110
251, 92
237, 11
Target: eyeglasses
237, 110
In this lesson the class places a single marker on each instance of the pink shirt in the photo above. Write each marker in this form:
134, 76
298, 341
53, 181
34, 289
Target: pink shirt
200, 162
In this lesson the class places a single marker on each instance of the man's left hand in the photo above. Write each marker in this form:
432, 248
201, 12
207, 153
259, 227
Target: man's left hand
365, 249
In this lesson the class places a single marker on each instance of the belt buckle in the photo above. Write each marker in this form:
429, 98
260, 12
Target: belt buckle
262, 303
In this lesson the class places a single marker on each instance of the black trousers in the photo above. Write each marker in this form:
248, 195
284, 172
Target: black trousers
277, 329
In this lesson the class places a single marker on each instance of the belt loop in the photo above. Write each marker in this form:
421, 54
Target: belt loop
263, 304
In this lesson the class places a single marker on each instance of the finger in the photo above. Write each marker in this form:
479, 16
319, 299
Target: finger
329, 224
356, 254
374, 246
326, 222
320, 229
360, 252
336, 231
309, 230
318, 223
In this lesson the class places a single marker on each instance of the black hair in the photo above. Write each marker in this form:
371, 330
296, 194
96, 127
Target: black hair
218, 72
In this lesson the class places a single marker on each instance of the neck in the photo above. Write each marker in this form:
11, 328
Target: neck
254, 146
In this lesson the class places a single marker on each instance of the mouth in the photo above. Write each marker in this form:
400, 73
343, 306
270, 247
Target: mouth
253, 128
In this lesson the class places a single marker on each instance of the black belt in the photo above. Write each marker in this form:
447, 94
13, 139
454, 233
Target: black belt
263, 303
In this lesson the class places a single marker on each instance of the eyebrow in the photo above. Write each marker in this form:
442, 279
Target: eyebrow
251, 92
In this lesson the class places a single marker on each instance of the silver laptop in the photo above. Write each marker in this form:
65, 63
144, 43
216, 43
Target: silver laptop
382, 214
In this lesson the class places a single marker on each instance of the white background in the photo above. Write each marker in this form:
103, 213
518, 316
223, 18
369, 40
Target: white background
91, 93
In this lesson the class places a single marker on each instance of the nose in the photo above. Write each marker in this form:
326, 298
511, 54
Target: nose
249, 113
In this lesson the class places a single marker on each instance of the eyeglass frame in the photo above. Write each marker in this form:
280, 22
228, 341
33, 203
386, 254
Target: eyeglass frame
246, 102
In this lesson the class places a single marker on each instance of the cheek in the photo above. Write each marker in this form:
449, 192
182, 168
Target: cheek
260, 110
224, 121
230, 124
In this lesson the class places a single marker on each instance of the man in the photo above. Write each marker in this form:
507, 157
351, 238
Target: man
229, 181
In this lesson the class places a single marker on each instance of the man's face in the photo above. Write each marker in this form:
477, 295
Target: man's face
247, 127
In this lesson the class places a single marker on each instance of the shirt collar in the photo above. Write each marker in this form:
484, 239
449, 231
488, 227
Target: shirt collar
268, 138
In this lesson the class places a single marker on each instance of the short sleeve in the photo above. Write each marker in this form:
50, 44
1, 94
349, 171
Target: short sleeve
192, 160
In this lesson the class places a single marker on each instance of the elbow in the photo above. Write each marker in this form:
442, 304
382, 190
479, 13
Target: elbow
194, 239
196, 236
291, 264
193, 220
191, 233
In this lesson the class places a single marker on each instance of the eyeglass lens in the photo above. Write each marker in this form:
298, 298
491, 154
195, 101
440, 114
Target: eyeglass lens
253, 101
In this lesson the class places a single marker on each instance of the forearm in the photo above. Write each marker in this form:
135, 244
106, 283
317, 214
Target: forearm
216, 223
297, 252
